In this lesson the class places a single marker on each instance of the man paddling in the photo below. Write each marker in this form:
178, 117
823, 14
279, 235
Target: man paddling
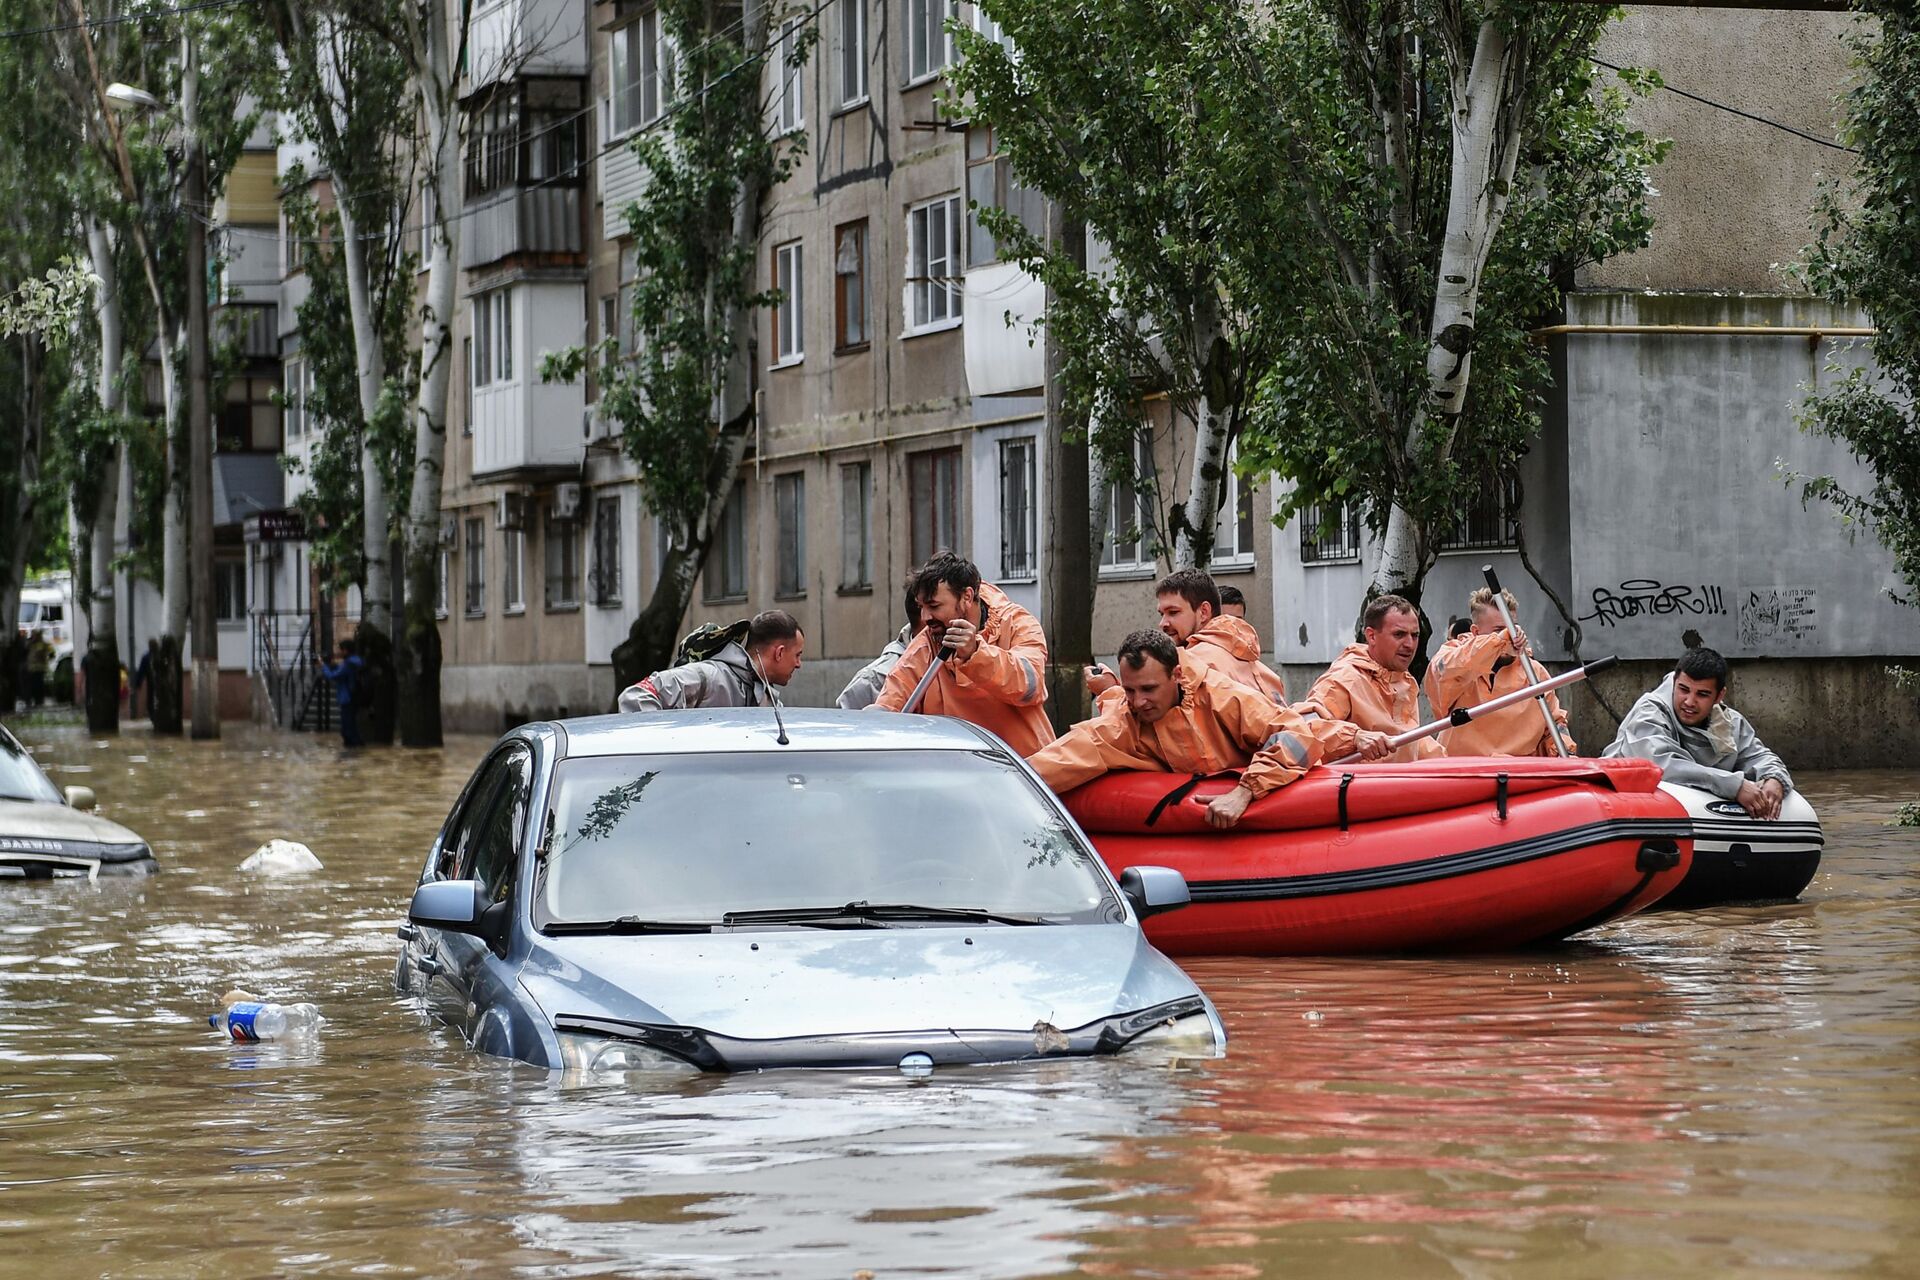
1686, 728
1369, 684
1484, 662
995, 672
1180, 717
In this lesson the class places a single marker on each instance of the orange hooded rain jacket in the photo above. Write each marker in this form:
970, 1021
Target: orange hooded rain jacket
1358, 689
1215, 725
1467, 672
1002, 687
1231, 646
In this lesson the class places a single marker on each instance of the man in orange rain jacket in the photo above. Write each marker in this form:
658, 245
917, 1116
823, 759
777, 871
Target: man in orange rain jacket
1189, 604
995, 676
1180, 717
1369, 683
1482, 664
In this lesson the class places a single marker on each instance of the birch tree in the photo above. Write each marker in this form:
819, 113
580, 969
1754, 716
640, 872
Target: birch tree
682, 396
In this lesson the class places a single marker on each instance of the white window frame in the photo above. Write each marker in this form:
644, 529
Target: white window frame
933, 285
294, 416
1227, 550
790, 114
1019, 512
790, 314
442, 581
855, 86
233, 575
513, 571
1140, 559
638, 96
927, 38
987, 27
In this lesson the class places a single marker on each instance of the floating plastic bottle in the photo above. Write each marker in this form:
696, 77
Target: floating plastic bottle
250, 1020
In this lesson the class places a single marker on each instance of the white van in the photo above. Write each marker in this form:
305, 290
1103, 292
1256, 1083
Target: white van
48, 606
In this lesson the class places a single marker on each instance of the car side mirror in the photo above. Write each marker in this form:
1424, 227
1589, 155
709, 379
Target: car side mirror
457, 906
1152, 890
81, 798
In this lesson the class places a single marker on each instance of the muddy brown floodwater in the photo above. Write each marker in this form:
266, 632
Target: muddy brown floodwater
1715, 1093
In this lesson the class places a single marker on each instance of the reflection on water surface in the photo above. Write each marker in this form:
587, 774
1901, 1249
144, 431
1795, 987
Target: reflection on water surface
1715, 1092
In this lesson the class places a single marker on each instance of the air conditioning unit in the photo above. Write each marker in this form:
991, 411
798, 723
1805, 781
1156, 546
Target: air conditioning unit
449, 530
510, 510
566, 501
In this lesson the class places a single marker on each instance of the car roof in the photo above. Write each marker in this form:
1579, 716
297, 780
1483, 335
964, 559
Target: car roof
753, 729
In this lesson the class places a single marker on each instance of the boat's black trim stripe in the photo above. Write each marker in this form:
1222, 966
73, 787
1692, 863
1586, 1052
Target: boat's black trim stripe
1442, 868
1797, 833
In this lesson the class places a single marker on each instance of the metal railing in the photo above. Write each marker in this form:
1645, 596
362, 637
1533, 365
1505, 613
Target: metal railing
283, 655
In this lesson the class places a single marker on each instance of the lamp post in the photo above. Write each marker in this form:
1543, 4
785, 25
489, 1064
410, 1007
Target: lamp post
193, 198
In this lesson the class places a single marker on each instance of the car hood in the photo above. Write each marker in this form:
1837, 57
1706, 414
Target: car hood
46, 820
776, 984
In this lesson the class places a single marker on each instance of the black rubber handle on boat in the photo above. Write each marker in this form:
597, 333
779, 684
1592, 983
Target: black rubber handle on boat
1601, 664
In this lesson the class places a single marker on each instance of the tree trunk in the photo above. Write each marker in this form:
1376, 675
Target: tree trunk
166, 683
1195, 526
375, 635
205, 628
1066, 590
419, 710
102, 660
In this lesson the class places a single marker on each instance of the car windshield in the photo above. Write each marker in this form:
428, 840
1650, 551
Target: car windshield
20, 777
688, 839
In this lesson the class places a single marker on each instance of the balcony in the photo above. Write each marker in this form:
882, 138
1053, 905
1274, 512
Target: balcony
514, 38
524, 429
525, 171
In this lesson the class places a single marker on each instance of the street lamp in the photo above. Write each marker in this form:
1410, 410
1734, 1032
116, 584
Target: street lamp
193, 195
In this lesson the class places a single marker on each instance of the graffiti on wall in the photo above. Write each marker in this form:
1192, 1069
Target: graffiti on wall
1651, 598
1778, 615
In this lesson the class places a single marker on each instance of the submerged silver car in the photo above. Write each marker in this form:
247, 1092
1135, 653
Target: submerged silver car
48, 835
715, 891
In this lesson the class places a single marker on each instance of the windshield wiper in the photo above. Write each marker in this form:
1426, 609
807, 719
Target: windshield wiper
627, 924
875, 913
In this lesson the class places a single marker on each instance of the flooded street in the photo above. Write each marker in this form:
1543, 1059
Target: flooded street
1733, 1091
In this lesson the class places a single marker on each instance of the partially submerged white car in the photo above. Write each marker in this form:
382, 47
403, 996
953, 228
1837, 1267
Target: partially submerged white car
47, 836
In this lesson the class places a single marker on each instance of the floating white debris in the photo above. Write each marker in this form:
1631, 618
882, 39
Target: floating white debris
281, 857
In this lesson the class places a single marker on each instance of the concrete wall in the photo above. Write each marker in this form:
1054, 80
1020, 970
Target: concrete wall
1683, 523
1735, 196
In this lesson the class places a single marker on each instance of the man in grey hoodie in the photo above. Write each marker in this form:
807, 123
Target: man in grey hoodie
1686, 728
737, 676
869, 680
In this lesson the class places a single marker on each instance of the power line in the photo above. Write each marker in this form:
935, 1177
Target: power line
1745, 115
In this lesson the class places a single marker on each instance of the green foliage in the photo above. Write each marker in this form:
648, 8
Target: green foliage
49, 305
1908, 815
695, 268
1868, 254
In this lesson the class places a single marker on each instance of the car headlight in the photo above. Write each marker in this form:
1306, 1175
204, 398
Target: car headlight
1194, 1036
594, 1055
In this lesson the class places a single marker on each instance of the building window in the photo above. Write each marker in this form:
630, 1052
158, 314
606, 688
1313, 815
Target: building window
726, 575
1330, 535
293, 395
850, 286
250, 420
1018, 511
933, 264
1233, 530
533, 133
229, 591
929, 47
933, 501
563, 563
856, 526
789, 314
442, 575
513, 563
641, 73
853, 52
790, 521
991, 185
989, 28
1129, 542
476, 568
792, 111
605, 580
493, 337
1492, 523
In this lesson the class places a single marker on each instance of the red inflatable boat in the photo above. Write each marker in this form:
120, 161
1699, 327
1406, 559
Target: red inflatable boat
1451, 854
